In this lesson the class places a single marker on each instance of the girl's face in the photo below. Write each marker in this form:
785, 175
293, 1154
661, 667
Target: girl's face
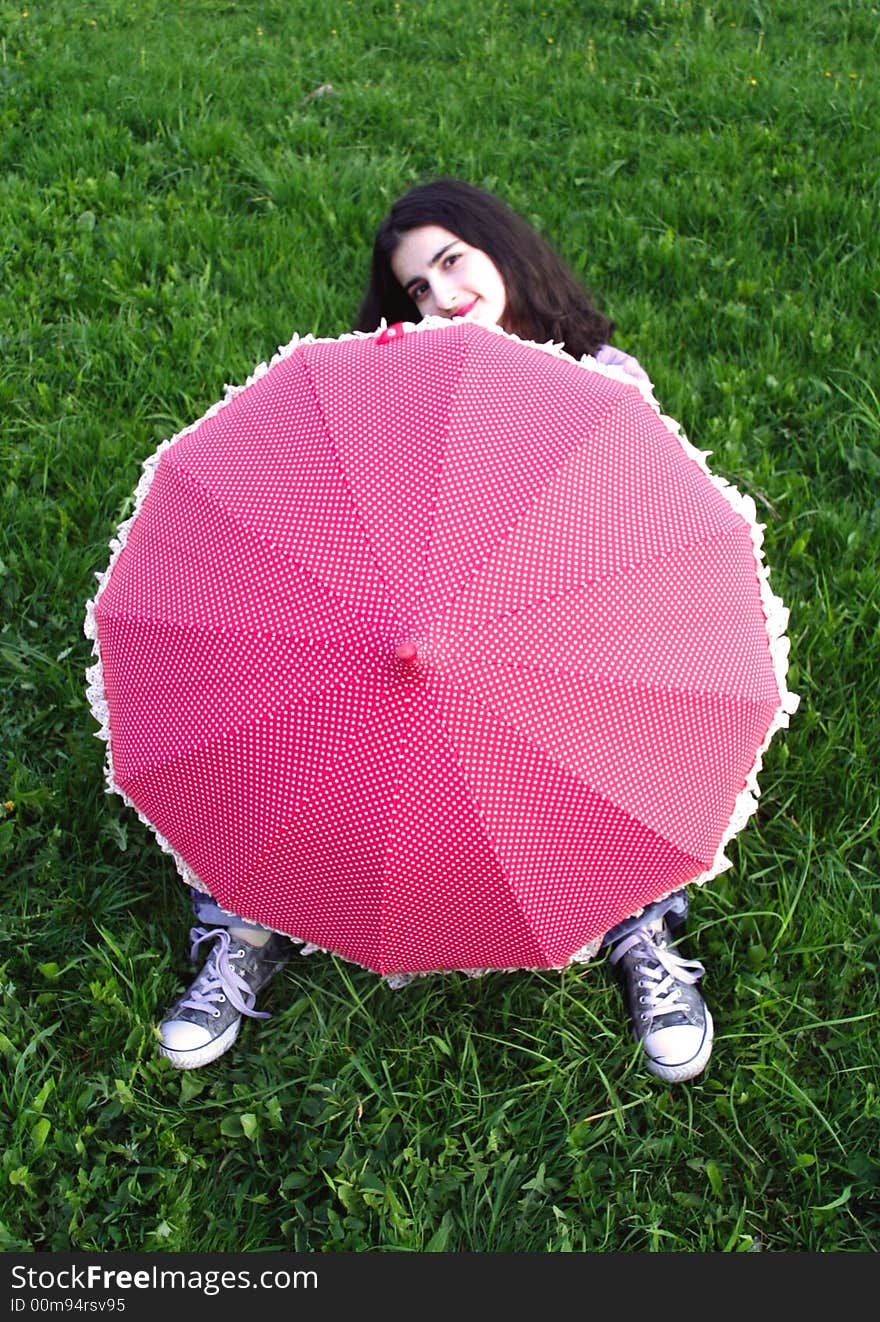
446, 277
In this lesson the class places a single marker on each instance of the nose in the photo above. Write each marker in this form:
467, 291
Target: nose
444, 295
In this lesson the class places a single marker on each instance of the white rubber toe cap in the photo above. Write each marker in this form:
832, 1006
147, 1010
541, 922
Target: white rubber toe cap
188, 1047
180, 1035
679, 1053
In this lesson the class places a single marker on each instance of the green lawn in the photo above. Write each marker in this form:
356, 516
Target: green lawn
176, 200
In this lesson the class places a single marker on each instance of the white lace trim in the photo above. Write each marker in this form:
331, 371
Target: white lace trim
398, 980
775, 612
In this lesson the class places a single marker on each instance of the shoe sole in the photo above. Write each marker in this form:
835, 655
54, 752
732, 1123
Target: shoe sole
688, 1069
195, 1059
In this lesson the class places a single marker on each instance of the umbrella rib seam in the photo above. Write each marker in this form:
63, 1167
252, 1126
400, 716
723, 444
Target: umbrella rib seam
283, 554
703, 539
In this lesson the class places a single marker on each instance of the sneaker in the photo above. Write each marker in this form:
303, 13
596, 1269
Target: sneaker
204, 1021
669, 1016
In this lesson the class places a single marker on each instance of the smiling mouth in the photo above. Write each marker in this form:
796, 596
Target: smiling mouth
469, 307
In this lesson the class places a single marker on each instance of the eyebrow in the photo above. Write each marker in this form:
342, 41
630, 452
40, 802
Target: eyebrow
437, 255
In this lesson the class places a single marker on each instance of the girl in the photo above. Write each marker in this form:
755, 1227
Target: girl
449, 249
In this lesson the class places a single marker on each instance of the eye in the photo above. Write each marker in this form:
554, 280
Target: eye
450, 259
418, 292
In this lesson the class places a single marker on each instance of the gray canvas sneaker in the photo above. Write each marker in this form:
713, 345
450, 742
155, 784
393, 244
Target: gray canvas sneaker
204, 1021
669, 1016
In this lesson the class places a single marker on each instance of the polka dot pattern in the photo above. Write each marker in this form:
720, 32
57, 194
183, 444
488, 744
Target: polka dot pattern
437, 651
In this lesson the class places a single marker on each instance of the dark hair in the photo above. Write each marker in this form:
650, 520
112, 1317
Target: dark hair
544, 299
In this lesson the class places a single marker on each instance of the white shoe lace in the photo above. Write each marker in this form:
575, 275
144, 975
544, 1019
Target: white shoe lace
660, 980
218, 980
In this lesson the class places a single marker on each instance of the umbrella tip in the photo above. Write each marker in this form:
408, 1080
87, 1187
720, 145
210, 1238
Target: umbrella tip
406, 652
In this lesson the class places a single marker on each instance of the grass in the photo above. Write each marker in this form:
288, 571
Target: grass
176, 201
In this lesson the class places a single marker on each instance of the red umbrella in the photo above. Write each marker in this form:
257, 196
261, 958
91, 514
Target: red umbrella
438, 650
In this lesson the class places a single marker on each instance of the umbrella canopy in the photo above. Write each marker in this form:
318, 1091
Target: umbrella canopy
438, 650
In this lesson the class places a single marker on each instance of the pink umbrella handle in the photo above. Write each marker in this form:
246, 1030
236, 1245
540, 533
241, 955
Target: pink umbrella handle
390, 333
